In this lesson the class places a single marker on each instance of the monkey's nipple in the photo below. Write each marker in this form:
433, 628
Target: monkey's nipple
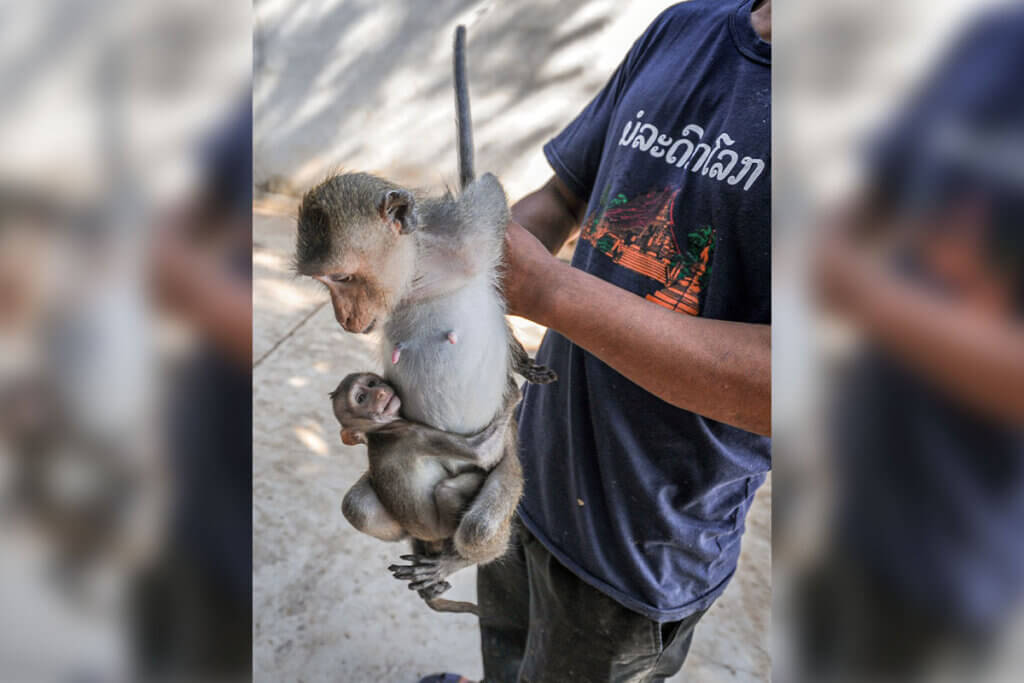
396, 353
452, 337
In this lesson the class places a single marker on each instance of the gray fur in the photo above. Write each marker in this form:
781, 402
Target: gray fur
421, 279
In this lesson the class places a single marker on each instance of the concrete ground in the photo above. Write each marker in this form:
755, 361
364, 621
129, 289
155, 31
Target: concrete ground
324, 606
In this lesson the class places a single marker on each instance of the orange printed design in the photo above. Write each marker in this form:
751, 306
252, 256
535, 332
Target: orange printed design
638, 234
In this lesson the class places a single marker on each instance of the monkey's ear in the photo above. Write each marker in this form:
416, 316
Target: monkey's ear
399, 207
350, 437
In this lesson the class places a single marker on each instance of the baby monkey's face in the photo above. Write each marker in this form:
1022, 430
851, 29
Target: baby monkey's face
367, 397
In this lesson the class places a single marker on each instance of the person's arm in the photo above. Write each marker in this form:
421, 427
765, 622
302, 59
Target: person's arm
973, 352
193, 283
715, 368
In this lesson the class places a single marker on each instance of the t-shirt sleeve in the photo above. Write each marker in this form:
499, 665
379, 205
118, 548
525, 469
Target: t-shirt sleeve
575, 153
905, 161
227, 159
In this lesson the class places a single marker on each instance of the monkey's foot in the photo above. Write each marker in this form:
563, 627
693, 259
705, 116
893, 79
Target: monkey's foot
539, 374
427, 573
434, 591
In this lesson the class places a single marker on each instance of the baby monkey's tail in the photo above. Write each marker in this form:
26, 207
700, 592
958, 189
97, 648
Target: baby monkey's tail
452, 606
463, 120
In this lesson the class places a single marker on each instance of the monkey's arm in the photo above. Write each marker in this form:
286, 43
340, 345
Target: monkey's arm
363, 509
483, 449
474, 236
716, 368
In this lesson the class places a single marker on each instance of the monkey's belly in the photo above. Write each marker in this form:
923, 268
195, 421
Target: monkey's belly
405, 485
454, 387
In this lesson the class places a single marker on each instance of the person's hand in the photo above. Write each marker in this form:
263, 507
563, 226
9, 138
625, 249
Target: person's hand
528, 272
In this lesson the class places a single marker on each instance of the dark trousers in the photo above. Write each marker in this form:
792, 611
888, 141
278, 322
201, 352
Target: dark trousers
851, 625
539, 623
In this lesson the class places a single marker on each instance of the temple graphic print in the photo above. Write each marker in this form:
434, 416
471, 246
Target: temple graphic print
638, 234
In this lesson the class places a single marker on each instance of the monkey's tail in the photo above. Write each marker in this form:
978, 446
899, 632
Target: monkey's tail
463, 119
452, 606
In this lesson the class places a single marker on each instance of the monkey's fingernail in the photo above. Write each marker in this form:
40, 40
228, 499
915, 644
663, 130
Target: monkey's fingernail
452, 337
407, 558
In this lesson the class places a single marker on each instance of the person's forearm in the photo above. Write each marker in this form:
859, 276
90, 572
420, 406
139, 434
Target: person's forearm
718, 369
973, 354
193, 284
715, 368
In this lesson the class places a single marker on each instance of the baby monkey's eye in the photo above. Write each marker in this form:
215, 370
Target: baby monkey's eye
361, 398
341, 278
372, 383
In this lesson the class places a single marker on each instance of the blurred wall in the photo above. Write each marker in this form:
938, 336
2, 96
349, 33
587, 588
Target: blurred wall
366, 84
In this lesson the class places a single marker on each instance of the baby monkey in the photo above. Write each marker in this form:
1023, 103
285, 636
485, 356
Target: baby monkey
420, 479
423, 477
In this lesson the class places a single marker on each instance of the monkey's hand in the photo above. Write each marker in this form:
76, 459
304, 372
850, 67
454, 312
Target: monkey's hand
426, 574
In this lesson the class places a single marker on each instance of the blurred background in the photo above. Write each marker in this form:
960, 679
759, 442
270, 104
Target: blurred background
366, 85
125, 332
898, 341
125, 365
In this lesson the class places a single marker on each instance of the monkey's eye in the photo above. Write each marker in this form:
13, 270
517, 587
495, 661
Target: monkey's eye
341, 278
372, 383
361, 398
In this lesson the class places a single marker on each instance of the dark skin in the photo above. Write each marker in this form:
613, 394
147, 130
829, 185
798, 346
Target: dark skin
189, 279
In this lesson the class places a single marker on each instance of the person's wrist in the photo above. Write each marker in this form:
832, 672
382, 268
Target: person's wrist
548, 284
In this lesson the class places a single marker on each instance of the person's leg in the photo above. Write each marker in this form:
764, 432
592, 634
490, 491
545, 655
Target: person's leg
676, 638
578, 633
503, 598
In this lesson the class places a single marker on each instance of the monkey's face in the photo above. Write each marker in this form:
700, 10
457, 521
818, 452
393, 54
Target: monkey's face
365, 399
358, 300
353, 237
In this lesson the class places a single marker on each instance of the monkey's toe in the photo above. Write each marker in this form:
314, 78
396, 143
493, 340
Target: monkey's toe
428, 584
422, 571
405, 573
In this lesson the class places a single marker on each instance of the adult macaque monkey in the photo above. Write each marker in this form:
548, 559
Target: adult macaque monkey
424, 272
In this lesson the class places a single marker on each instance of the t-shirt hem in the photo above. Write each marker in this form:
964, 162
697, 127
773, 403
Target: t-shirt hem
624, 599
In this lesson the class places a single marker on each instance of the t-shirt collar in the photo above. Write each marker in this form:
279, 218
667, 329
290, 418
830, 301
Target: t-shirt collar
747, 40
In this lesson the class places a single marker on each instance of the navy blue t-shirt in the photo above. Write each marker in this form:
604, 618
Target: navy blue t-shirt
933, 493
642, 500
